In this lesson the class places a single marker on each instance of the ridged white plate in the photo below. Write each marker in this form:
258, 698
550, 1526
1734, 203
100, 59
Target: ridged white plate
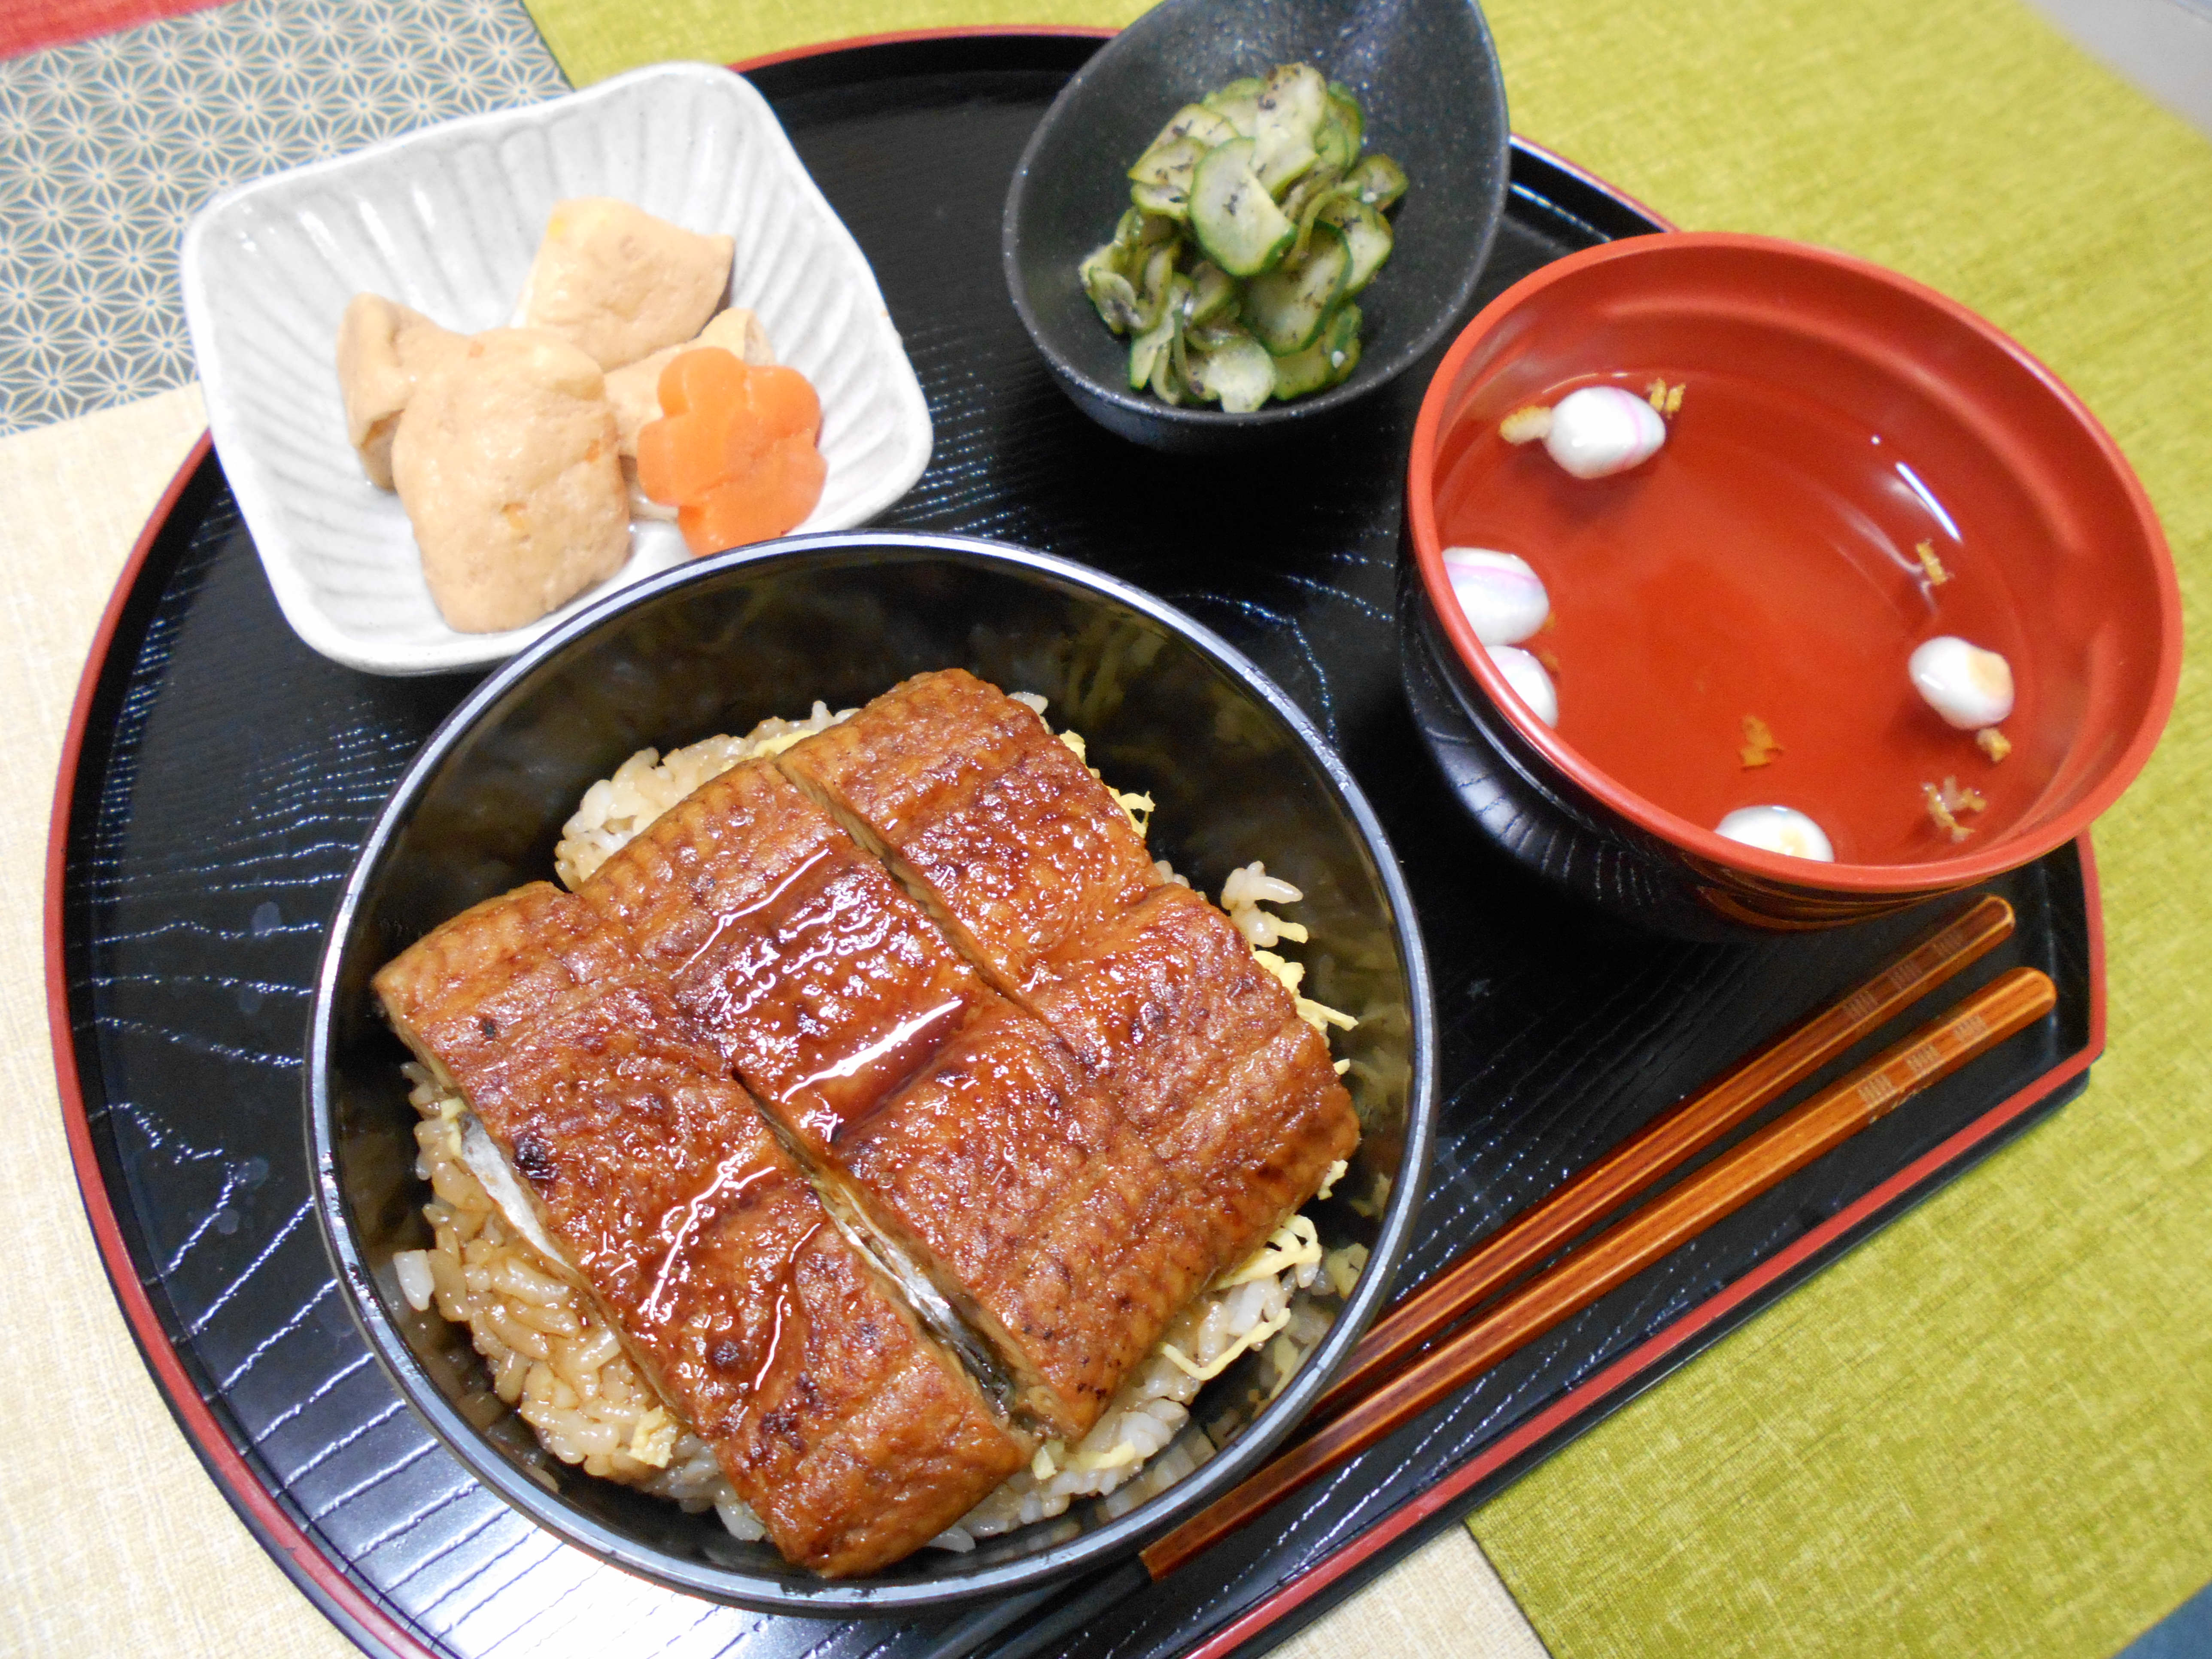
447, 220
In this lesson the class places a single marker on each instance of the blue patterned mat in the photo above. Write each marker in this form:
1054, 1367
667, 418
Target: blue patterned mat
109, 147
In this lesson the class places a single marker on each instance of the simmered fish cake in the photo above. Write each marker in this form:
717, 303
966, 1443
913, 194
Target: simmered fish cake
619, 284
820, 981
506, 465
994, 821
1038, 1212
384, 349
835, 1418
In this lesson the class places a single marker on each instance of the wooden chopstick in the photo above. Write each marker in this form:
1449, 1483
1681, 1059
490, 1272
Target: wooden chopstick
1662, 1146
2008, 1004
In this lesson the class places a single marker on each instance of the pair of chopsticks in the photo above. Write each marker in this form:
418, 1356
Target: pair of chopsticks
1440, 1338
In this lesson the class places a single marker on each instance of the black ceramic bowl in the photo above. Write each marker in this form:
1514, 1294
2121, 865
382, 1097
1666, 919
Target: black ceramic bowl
1427, 77
1237, 774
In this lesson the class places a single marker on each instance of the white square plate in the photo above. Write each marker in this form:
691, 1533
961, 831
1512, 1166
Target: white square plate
447, 220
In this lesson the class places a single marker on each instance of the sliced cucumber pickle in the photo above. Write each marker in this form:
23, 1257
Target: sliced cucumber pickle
1301, 371
1139, 228
1137, 233
1344, 104
1339, 341
1170, 164
1379, 180
1310, 208
1366, 233
1238, 103
1292, 100
1286, 307
1162, 200
1232, 368
1294, 97
1300, 197
1330, 359
1167, 385
1284, 164
1335, 148
1149, 347
1254, 219
1152, 292
1233, 216
1196, 121
1341, 363
1171, 369
1102, 274
1212, 293
1112, 297
1144, 352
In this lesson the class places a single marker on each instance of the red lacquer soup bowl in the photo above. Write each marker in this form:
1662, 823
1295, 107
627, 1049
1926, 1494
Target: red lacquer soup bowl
1856, 465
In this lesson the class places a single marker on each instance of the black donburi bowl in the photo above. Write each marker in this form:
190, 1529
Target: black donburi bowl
1427, 76
1237, 773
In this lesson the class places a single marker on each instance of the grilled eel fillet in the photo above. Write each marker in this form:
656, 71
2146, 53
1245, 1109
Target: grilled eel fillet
1208, 1058
836, 1418
1011, 1174
993, 821
955, 1124
796, 955
1031, 864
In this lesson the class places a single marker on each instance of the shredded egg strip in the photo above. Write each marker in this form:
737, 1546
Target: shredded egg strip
1296, 1243
1251, 1341
1054, 1455
1319, 1015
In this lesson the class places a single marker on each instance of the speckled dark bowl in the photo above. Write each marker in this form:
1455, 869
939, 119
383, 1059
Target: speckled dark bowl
1237, 774
1427, 77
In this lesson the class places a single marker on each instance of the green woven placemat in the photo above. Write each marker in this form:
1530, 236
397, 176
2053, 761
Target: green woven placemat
595, 39
1989, 1431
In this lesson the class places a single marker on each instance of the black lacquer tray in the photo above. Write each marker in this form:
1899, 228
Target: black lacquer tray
221, 775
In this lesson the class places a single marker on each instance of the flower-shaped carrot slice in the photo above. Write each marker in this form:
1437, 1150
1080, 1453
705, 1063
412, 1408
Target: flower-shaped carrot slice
733, 451
684, 453
774, 497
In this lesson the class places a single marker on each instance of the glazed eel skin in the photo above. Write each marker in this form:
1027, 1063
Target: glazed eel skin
853, 1437
1006, 837
1069, 1123
961, 1129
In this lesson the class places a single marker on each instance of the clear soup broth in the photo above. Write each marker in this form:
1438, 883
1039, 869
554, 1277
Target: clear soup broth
1761, 564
